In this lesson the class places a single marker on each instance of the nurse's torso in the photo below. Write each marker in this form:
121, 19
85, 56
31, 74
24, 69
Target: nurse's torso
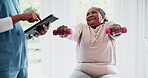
12, 42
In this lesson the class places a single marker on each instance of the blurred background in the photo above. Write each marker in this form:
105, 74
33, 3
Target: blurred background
54, 57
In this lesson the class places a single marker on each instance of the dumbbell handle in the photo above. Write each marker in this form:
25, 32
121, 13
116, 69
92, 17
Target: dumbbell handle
68, 31
107, 30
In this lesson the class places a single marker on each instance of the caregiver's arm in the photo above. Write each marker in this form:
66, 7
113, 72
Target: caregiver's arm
7, 23
29, 16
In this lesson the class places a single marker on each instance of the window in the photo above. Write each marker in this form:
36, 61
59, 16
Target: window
146, 36
34, 50
146, 19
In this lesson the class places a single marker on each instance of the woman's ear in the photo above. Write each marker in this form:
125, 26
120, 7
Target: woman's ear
103, 17
102, 20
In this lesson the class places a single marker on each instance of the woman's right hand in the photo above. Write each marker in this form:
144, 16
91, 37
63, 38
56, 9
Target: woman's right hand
61, 31
30, 16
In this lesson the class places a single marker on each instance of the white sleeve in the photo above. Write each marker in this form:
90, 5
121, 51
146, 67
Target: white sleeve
114, 37
76, 32
108, 24
6, 24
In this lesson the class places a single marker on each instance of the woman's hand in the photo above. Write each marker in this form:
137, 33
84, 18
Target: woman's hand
61, 31
41, 30
29, 16
116, 30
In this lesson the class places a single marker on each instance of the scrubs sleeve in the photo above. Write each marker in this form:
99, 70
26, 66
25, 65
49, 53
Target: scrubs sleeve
27, 36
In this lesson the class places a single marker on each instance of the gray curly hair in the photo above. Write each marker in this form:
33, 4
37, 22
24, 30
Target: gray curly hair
102, 13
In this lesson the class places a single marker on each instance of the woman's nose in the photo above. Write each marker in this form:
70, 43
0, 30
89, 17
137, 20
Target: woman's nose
91, 15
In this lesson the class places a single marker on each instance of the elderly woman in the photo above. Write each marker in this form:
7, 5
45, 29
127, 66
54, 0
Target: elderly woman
96, 54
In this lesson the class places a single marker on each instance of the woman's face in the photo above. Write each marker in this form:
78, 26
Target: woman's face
94, 17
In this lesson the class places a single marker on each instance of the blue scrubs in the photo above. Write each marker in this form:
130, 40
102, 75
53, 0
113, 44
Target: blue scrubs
13, 53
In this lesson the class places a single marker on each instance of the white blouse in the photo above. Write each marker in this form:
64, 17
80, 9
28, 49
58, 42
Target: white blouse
6, 24
96, 54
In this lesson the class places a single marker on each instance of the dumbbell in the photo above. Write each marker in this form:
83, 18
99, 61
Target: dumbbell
107, 30
68, 31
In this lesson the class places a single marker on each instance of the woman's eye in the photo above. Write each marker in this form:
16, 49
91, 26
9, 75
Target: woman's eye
93, 12
87, 14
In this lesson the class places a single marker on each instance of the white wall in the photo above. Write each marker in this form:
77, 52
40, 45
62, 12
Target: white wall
127, 16
58, 54
132, 53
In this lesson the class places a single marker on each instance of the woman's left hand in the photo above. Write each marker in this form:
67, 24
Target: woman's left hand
42, 30
116, 30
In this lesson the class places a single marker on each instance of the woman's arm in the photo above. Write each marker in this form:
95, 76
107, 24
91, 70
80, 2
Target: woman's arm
7, 23
29, 16
75, 35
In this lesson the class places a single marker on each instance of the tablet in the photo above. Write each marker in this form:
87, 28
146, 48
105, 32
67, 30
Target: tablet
38, 26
